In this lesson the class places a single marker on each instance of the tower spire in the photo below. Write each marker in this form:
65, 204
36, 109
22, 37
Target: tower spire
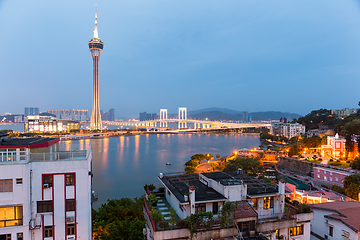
96, 34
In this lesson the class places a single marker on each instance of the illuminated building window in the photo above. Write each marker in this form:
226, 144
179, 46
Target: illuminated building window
11, 216
6, 185
48, 181
70, 179
298, 230
325, 178
268, 202
254, 200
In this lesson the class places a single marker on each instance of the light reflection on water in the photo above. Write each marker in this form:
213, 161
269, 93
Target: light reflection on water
122, 165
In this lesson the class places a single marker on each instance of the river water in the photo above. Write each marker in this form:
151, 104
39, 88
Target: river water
123, 165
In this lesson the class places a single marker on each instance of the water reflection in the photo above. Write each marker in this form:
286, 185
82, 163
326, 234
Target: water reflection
122, 165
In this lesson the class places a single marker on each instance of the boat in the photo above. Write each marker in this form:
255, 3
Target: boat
168, 163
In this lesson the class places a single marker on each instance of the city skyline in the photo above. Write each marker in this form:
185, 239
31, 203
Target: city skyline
302, 55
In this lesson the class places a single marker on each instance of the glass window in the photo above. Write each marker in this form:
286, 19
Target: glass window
70, 229
215, 207
48, 231
19, 181
298, 230
331, 231
201, 207
268, 202
44, 206
6, 185
254, 200
70, 204
336, 179
11, 216
19, 236
48, 181
70, 179
5, 237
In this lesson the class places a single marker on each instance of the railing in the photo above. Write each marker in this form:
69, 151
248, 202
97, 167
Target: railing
66, 155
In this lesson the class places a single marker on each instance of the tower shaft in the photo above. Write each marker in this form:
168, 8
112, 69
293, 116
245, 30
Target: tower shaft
96, 123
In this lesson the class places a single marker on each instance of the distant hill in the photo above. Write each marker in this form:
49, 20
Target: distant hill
238, 116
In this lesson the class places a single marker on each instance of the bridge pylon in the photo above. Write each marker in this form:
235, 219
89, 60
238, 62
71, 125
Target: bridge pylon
182, 117
163, 116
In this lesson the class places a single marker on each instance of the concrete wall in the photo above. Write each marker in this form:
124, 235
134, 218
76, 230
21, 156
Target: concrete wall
294, 165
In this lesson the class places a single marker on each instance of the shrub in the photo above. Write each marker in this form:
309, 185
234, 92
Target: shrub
331, 160
161, 189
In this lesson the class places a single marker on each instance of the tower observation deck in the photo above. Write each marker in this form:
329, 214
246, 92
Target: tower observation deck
96, 46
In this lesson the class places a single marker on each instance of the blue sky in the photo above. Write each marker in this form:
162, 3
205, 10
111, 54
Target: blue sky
255, 55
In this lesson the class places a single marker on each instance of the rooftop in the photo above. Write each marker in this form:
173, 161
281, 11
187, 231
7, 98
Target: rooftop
254, 186
28, 142
179, 186
346, 212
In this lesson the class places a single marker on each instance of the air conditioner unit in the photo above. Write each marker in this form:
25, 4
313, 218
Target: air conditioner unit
46, 185
70, 219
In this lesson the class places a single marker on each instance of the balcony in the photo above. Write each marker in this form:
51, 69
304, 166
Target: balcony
18, 157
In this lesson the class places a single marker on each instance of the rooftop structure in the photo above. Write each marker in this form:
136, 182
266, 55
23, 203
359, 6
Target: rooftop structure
259, 207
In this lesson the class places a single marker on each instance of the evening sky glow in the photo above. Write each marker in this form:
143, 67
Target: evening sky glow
255, 55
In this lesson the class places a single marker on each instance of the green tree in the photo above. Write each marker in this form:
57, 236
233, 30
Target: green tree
250, 166
318, 117
352, 191
349, 145
218, 156
355, 164
119, 219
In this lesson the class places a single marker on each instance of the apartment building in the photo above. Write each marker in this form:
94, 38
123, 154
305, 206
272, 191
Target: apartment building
288, 130
259, 214
44, 193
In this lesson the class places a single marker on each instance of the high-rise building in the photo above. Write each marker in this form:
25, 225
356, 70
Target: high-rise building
31, 111
96, 46
245, 116
112, 114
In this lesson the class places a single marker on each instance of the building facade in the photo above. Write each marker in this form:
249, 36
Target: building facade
37, 124
340, 113
288, 130
330, 176
44, 193
336, 220
335, 147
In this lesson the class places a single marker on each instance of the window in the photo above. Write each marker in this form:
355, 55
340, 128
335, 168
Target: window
70, 229
254, 200
330, 178
19, 236
48, 231
19, 181
48, 180
318, 170
298, 230
44, 206
268, 202
6, 185
201, 207
70, 204
331, 173
325, 178
5, 237
70, 179
318, 176
336, 179
331, 231
215, 207
11, 216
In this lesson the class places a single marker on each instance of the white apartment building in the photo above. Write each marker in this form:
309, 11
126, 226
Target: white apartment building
259, 214
44, 193
340, 113
288, 130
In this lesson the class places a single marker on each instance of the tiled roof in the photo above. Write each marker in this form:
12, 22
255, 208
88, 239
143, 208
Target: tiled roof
346, 212
244, 210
